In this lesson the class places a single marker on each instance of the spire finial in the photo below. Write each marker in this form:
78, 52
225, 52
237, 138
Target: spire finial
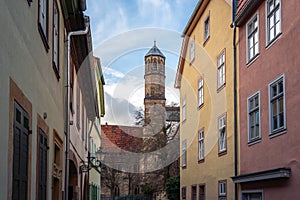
154, 42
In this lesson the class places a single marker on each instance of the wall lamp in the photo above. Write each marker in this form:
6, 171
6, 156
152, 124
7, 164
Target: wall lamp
91, 163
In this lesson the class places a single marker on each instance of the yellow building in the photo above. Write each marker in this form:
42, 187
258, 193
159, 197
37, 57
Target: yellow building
205, 79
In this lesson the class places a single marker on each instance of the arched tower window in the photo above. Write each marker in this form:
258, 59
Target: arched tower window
154, 65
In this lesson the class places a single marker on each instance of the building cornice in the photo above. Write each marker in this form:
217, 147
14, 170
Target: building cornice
245, 11
278, 173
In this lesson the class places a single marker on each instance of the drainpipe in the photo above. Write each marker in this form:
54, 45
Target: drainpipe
67, 124
235, 111
233, 25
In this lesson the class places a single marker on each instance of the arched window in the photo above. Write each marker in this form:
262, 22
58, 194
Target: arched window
117, 190
137, 190
154, 65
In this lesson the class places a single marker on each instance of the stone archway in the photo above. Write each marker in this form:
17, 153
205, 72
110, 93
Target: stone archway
73, 178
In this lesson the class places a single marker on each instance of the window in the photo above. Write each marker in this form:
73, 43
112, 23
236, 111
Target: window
137, 190
206, 29
43, 21
277, 105
20, 153
82, 122
183, 193
222, 134
200, 92
86, 132
252, 195
221, 69
192, 50
55, 39
252, 38
184, 153
154, 66
183, 109
194, 192
136, 168
57, 155
201, 192
222, 190
78, 107
152, 91
42, 165
253, 118
273, 16
117, 191
94, 192
201, 145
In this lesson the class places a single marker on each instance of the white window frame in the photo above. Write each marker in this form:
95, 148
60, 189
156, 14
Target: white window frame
201, 145
184, 154
221, 63
183, 108
56, 37
200, 91
221, 127
245, 192
222, 189
282, 129
268, 40
255, 54
43, 17
192, 50
256, 94
206, 33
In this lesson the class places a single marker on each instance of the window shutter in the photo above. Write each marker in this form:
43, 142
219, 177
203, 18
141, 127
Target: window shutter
20, 153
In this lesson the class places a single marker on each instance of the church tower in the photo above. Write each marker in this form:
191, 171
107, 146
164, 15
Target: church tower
154, 85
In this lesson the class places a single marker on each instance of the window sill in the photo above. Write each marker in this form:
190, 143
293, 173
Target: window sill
272, 42
201, 161
200, 106
44, 38
254, 141
183, 167
222, 153
252, 60
56, 71
191, 62
278, 133
221, 87
206, 41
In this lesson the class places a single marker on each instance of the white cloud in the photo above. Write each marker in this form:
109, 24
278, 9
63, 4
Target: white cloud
115, 73
121, 27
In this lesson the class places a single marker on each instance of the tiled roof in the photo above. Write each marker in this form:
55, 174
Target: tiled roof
127, 138
241, 4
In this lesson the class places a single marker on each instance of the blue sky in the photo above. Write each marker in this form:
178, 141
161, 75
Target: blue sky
122, 33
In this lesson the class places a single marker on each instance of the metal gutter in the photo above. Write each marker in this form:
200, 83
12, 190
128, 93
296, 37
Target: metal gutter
247, 9
67, 123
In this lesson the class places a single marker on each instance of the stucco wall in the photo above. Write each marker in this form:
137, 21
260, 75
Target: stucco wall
279, 58
216, 102
24, 59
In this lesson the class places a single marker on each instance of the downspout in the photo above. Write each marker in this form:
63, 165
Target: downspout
235, 111
67, 124
234, 8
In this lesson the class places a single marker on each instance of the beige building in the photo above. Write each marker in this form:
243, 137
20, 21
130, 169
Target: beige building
95, 136
32, 105
205, 80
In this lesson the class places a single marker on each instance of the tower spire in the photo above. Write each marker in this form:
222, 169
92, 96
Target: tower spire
155, 42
